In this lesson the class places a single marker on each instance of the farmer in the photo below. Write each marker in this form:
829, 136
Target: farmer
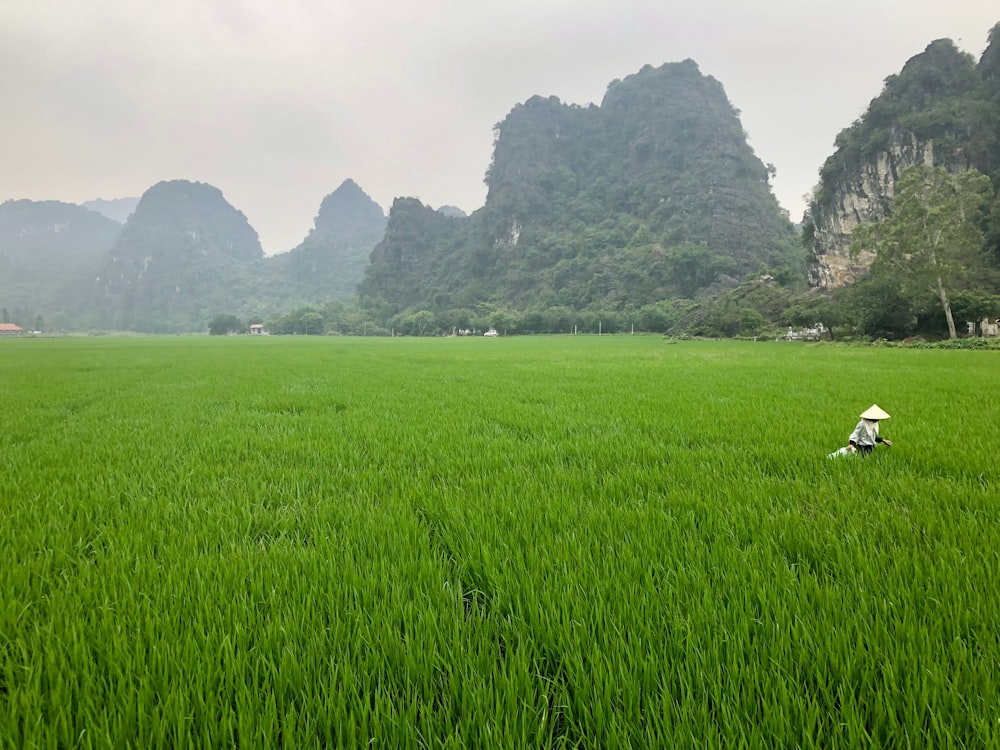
865, 435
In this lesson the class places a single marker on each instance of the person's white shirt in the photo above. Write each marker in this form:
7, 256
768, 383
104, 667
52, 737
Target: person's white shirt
866, 433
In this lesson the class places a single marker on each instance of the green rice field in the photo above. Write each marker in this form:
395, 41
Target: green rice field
521, 542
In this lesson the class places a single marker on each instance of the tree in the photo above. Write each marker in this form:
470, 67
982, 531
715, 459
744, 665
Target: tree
220, 325
876, 308
312, 323
658, 317
932, 240
424, 320
504, 319
751, 321
414, 323
691, 267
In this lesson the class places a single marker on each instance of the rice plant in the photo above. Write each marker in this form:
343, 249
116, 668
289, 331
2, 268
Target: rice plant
595, 542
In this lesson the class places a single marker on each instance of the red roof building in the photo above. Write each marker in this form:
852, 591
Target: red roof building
9, 328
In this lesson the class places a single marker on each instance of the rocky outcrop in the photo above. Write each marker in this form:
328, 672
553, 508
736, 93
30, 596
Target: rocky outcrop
178, 261
331, 260
48, 251
940, 110
860, 197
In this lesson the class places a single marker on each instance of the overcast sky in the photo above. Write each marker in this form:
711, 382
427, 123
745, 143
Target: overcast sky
277, 102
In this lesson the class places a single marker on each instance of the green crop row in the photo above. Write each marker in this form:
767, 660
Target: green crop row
605, 542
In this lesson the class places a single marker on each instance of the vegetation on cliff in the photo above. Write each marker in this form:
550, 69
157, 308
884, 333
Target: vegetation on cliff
940, 114
932, 244
330, 261
650, 198
648, 212
181, 257
47, 251
942, 100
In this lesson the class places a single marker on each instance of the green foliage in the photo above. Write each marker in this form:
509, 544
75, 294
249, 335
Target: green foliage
815, 307
415, 323
939, 97
992, 232
975, 304
183, 255
970, 344
331, 260
589, 542
749, 309
693, 267
659, 317
877, 308
653, 196
932, 241
751, 322
220, 325
50, 254
419, 244
312, 323
304, 321
942, 105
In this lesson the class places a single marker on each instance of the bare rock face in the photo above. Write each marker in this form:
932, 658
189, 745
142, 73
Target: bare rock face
940, 110
862, 197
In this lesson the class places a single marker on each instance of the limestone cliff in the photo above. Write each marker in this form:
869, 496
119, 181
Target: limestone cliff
936, 111
331, 260
178, 261
859, 197
653, 195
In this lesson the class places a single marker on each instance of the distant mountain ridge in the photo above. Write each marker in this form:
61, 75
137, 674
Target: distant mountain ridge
650, 207
48, 249
330, 261
181, 256
653, 195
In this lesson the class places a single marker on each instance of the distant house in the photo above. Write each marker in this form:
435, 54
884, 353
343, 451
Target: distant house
817, 333
9, 329
256, 329
987, 327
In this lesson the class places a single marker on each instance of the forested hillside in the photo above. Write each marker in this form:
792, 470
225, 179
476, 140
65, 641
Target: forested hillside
942, 109
649, 211
331, 260
900, 225
650, 198
47, 251
182, 256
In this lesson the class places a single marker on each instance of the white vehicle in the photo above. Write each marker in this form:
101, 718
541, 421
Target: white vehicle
492, 332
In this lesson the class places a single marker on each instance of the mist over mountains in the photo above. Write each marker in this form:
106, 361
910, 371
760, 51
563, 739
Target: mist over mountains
660, 176
116, 209
184, 255
650, 208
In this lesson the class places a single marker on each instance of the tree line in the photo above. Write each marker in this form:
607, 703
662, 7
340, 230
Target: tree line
935, 268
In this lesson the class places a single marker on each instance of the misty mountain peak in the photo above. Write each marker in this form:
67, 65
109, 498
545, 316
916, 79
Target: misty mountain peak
348, 206
195, 214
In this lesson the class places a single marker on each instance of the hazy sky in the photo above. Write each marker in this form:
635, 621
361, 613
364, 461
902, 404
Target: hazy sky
276, 102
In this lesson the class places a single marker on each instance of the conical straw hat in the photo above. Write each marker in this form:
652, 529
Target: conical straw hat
874, 412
